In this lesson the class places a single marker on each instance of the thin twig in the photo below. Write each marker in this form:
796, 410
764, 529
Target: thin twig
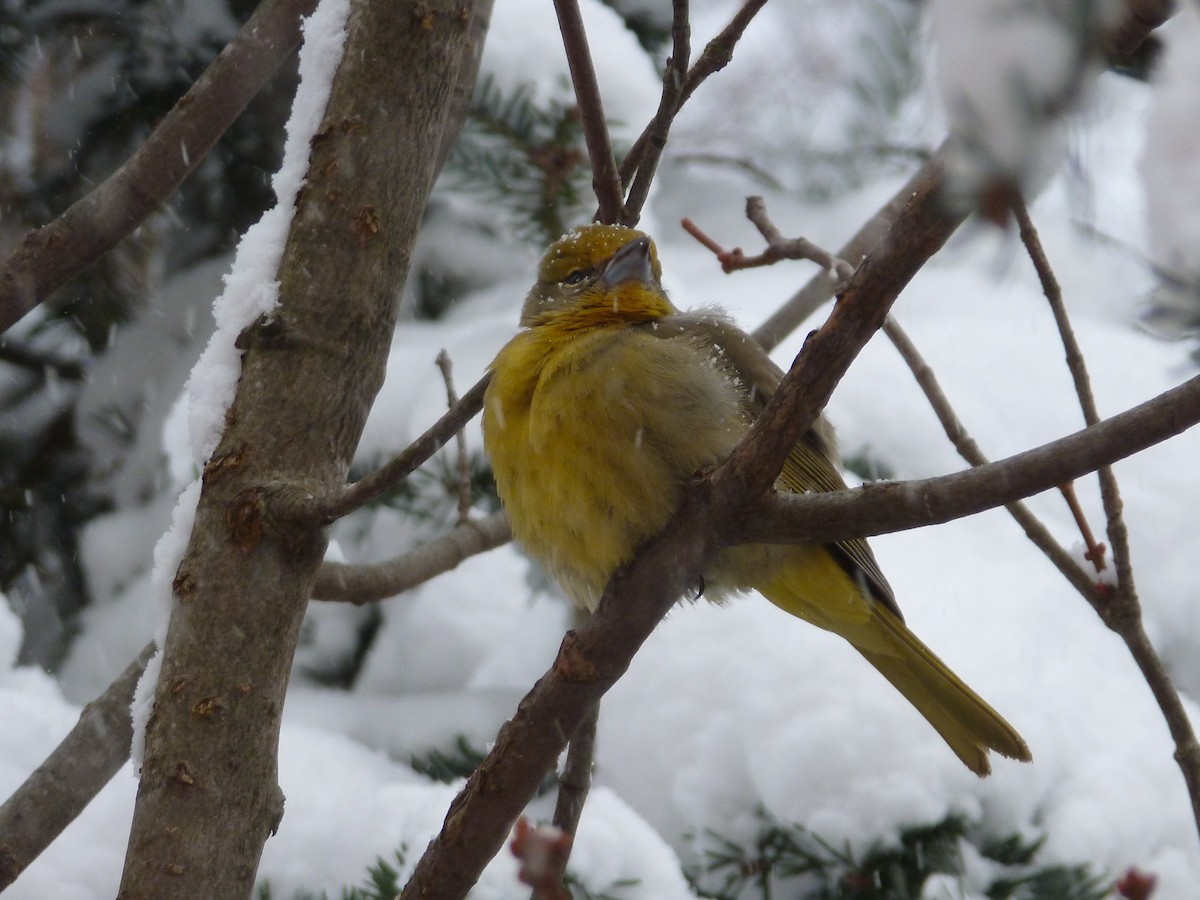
1118, 608
1109, 490
653, 140
1095, 551
778, 249
605, 181
365, 583
647, 149
819, 288
463, 464
383, 479
969, 450
50, 256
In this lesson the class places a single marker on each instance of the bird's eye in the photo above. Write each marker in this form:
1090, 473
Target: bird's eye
575, 277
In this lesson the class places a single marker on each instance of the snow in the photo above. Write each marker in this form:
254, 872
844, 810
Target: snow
250, 291
1171, 177
727, 713
1009, 71
250, 287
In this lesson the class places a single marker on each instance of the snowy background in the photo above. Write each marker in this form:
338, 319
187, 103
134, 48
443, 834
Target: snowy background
735, 715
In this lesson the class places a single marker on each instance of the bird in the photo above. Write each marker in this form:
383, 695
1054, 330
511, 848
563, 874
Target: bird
606, 403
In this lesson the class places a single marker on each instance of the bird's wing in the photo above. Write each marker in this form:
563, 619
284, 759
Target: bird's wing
811, 465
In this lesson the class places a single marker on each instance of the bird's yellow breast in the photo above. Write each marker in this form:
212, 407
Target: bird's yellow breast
592, 435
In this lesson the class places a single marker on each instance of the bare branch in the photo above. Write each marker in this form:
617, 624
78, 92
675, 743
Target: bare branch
921, 230
646, 152
50, 256
969, 450
462, 463
361, 584
818, 289
884, 507
1119, 608
372, 486
719, 51
778, 249
648, 148
1095, 551
605, 181
72, 775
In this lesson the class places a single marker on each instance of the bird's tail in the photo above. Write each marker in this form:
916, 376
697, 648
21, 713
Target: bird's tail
821, 592
964, 720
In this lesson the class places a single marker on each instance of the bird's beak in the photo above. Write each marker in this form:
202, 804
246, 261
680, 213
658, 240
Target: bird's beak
630, 263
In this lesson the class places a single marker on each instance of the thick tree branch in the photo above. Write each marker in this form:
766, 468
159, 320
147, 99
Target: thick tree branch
62, 786
50, 256
209, 797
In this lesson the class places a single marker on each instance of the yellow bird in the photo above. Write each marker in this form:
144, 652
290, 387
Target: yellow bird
609, 399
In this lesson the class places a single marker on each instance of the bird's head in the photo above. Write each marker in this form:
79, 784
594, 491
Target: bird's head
602, 272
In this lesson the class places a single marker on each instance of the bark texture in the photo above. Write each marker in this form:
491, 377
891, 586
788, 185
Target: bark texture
209, 796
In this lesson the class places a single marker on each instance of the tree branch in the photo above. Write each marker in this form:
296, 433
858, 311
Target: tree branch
361, 584
605, 181
50, 256
896, 506
648, 148
819, 288
383, 479
1118, 608
778, 248
71, 776
641, 163
209, 797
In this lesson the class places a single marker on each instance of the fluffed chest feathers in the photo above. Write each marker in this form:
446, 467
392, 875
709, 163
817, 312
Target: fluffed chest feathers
592, 441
